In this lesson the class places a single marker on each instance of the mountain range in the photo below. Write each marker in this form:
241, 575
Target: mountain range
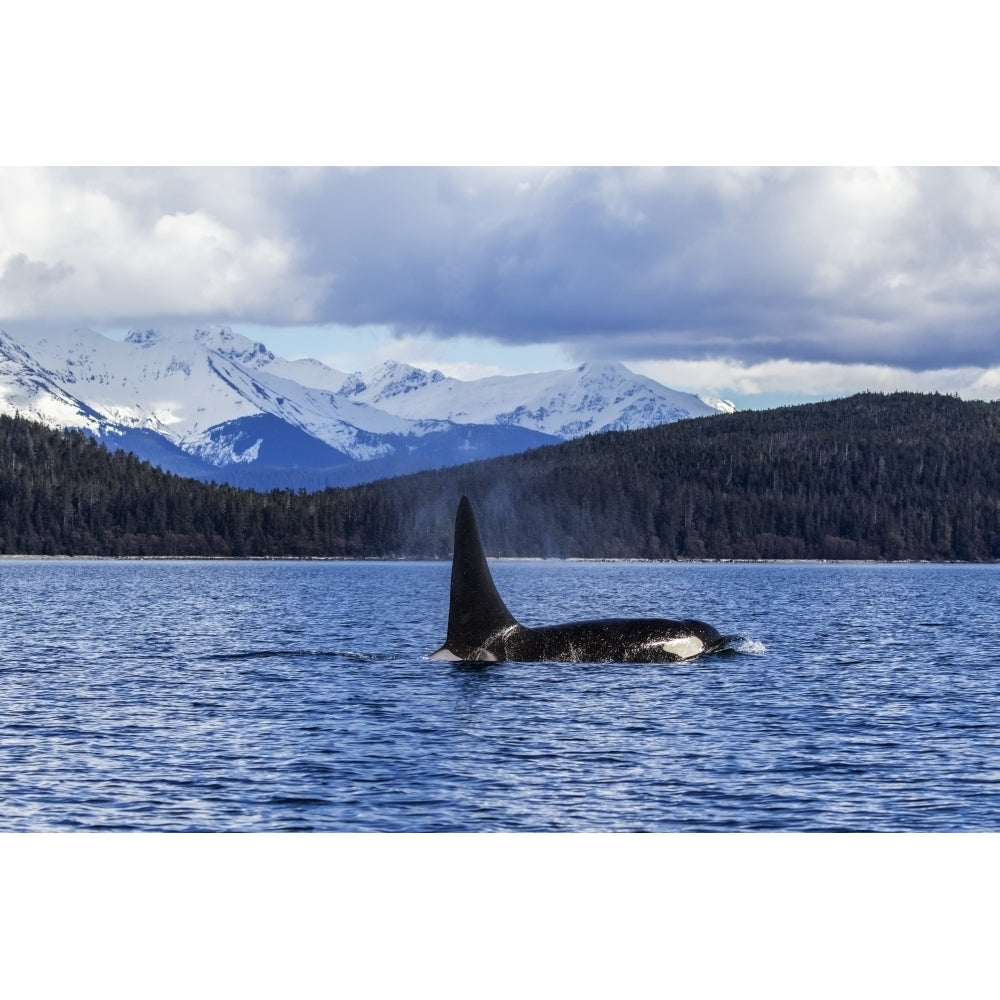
215, 405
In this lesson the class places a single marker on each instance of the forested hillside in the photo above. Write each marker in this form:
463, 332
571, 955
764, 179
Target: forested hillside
903, 476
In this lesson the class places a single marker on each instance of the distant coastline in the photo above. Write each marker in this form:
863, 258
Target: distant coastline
874, 478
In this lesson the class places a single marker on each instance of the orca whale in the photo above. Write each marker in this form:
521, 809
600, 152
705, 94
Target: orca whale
480, 628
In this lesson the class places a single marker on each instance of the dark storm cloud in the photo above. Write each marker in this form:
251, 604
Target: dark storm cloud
897, 267
892, 266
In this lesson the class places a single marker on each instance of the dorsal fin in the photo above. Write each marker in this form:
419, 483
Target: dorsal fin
477, 611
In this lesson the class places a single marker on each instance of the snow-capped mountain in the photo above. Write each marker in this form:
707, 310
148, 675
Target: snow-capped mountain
217, 405
565, 404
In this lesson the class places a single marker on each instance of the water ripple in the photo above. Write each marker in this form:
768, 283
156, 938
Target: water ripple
299, 696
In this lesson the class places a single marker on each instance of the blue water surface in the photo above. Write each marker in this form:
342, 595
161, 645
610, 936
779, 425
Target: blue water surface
282, 696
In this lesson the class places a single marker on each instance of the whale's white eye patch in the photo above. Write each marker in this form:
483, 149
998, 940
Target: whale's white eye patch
683, 646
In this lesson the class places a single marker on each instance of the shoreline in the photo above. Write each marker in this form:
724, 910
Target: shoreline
25, 557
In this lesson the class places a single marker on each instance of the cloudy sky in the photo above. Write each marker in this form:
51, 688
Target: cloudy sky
741, 282
762, 285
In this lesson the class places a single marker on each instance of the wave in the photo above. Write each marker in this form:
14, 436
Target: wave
263, 654
751, 647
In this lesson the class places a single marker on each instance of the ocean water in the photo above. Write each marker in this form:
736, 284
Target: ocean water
284, 696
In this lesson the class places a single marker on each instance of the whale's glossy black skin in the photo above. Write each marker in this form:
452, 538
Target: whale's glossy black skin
480, 628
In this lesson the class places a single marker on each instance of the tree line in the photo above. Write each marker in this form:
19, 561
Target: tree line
900, 476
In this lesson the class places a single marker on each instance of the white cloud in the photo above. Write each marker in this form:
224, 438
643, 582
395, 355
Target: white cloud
801, 380
889, 267
100, 246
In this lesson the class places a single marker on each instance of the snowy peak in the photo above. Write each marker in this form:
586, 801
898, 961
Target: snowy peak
12, 353
234, 346
143, 338
388, 380
251, 354
221, 399
214, 339
591, 398
29, 388
720, 405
